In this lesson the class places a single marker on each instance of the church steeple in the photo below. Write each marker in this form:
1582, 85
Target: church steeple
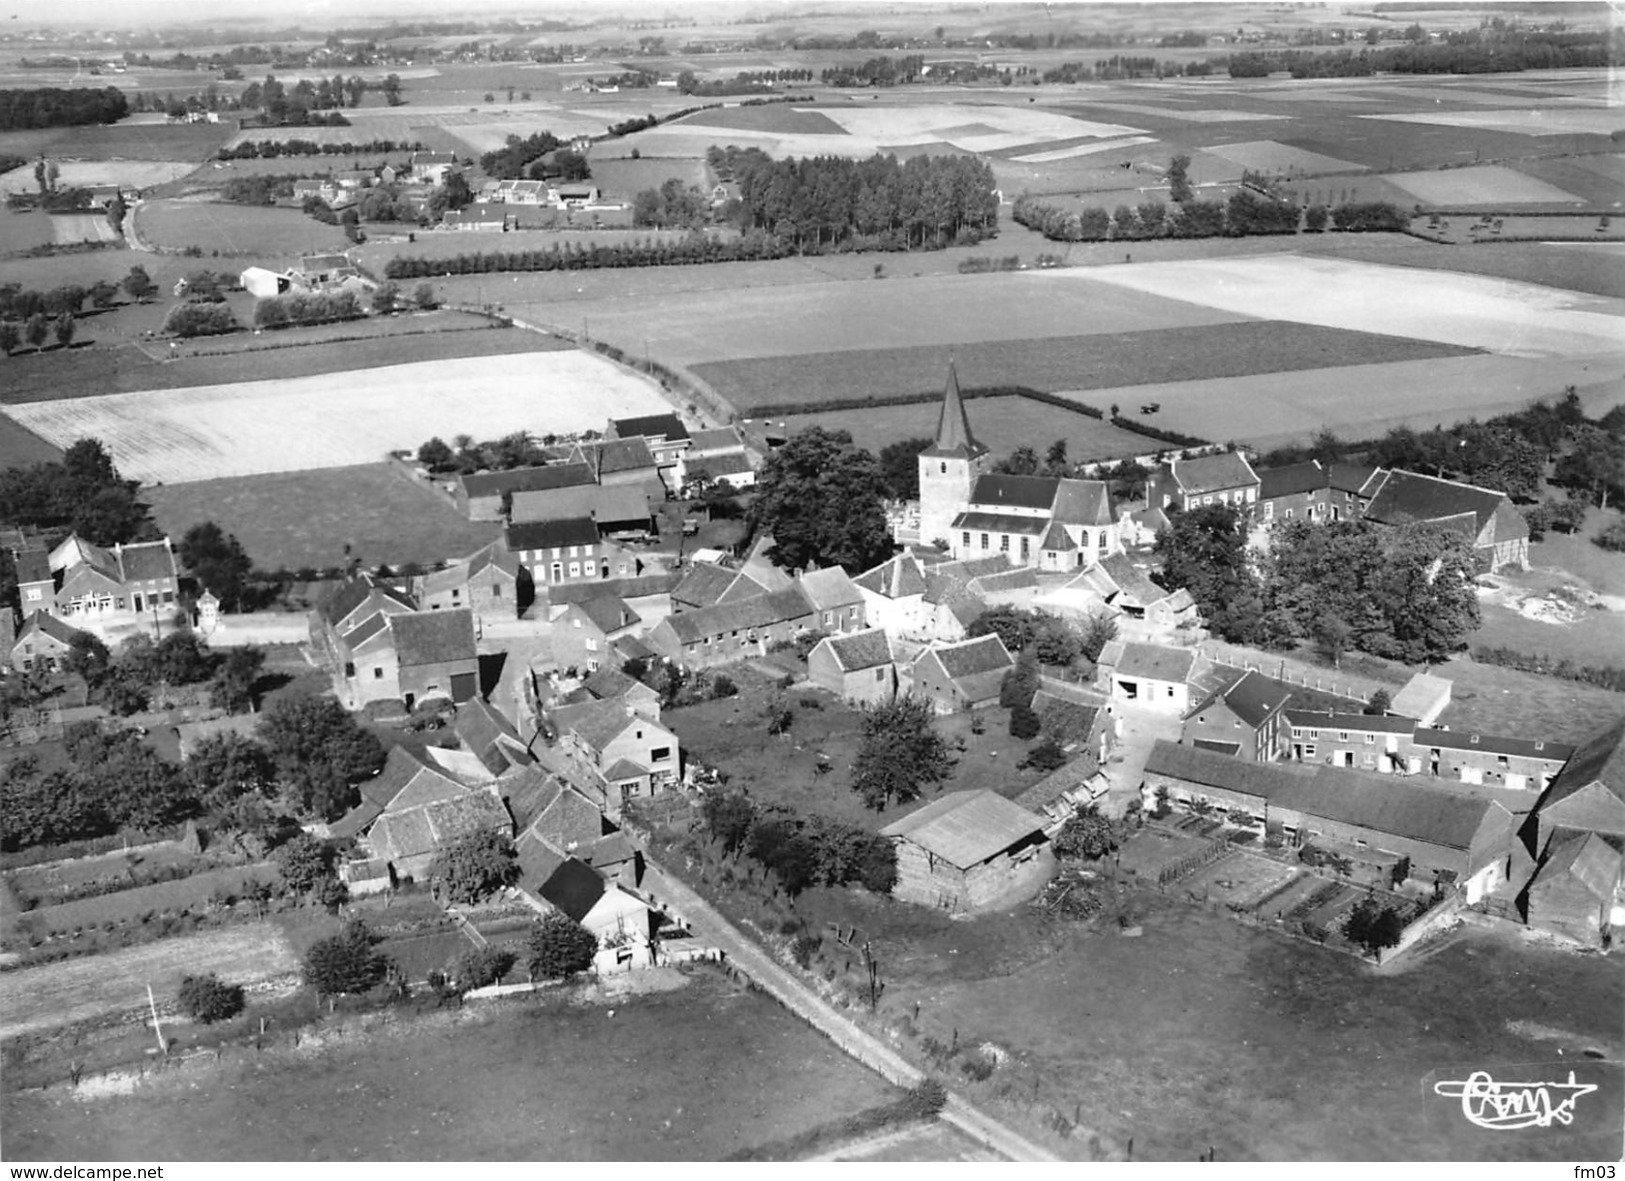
954, 438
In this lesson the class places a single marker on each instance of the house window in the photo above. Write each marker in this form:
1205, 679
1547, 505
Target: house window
1309, 751
349, 668
966, 542
575, 623
1025, 550
33, 594
1269, 510
640, 734
829, 616
121, 603
942, 469
558, 571
659, 754
592, 644
1289, 514
880, 674
575, 569
1342, 736
1370, 738
455, 594
1004, 543
377, 674
984, 541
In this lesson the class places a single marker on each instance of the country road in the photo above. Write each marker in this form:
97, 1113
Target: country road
780, 983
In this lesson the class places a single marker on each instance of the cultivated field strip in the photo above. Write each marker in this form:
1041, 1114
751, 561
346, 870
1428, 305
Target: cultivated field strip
335, 420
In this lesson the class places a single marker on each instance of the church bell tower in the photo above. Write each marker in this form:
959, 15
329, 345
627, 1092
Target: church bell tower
949, 467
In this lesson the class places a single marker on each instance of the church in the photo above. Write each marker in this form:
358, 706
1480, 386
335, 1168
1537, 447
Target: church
1048, 522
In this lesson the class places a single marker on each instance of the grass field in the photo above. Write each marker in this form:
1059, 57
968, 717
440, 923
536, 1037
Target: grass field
129, 905
1504, 701
1205, 1033
691, 1074
78, 989
1003, 424
625, 178
294, 352
236, 230
21, 447
25, 229
300, 423
1064, 363
1490, 185
119, 141
296, 519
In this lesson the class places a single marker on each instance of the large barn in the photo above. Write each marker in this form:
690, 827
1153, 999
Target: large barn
967, 849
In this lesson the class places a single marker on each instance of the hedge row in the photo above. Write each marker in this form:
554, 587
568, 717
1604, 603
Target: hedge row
1158, 433
1602, 675
696, 248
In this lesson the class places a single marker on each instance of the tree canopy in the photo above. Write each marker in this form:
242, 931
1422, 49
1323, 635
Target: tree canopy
822, 499
901, 753
559, 946
217, 560
472, 867
320, 751
346, 962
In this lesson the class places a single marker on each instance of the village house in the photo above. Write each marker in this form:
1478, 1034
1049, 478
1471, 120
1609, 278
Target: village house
1370, 742
102, 588
1224, 477
1498, 532
894, 595
566, 551
956, 678
967, 849
1245, 720
483, 496
490, 582
858, 667
412, 830
584, 633
731, 631
1312, 491
36, 585
377, 646
708, 584
622, 461
479, 217
621, 921
734, 469
317, 272
618, 511
1123, 587
636, 756
1439, 835
1148, 674
837, 604
576, 196
483, 732
41, 644
1468, 756
710, 444
432, 168
611, 684
665, 434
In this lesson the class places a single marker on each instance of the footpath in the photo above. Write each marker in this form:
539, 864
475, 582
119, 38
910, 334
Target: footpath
794, 995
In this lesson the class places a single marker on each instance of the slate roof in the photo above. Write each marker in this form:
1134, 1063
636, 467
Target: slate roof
623, 769
1252, 699
970, 657
1358, 478
1405, 497
666, 426
611, 684
1135, 585
860, 650
603, 503
496, 556
704, 585
1082, 502
1000, 523
33, 565
761, 610
527, 479
1589, 860
829, 588
1212, 473
1354, 723
1291, 480
574, 888
1599, 760
991, 492
1472, 740
369, 627
1057, 539
953, 438
342, 601
1152, 661
901, 577
965, 828
735, 463
538, 860
555, 534
482, 731
1210, 769
1386, 804
433, 637
609, 613
609, 457
42, 622
1011, 578
720, 438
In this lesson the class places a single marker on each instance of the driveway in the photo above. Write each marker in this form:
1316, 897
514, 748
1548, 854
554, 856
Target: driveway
1140, 729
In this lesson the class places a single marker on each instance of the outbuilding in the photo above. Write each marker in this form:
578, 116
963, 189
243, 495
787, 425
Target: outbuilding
966, 850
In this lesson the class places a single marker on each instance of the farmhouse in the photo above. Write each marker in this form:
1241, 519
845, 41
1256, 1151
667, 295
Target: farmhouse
615, 509
1519, 764
414, 827
1123, 586
1246, 720
483, 732
967, 849
634, 755
962, 676
402, 770
491, 583
622, 461
836, 602
1222, 478
1371, 742
665, 434
1312, 491
1498, 531
894, 595
318, 271
1148, 674
476, 218
480, 495
110, 587
36, 585
1443, 834
733, 630
707, 584
621, 921
567, 550
733, 469
858, 668
378, 646
42, 643
584, 633
431, 168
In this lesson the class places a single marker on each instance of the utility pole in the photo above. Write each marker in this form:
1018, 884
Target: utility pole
163, 1046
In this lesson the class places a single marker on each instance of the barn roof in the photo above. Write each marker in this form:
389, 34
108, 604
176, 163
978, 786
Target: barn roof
574, 888
1153, 661
1587, 858
1601, 761
1291, 480
433, 637
860, 650
1405, 497
966, 828
1212, 473
527, 479
969, 658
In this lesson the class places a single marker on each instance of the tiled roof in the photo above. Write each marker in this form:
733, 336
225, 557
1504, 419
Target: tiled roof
721, 438
1292, 480
1210, 769
1589, 860
33, 565
481, 730
538, 535
656, 426
860, 650
1000, 523
1136, 586
901, 577
623, 769
603, 503
1213, 473
538, 860
829, 588
992, 492
1357, 478
433, 637
704, 584
1255, 697
614, 849
1388, 805
1405, 497
715, 467
609, 613
527, 479
1153, 661
611, 684
369, 627
966, 828
1082, 502
1472, 740
574, 888
597, 723
1058, 782
423, 829
970, 657
1600, 760
761, 610
41, 622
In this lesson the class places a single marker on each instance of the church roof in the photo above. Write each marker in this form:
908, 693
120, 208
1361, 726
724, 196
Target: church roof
954, 438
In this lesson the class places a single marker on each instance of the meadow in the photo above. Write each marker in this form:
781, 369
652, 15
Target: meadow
573, 1075
291, 520
1003, 424
297, 423
236, 231
1063, 363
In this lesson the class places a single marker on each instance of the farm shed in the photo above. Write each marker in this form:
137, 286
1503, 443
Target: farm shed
1499, 534
1576, 890
857, 667
963, 676
1588, 794
966, 850
1148, 674
1423, 697
265, 284
408, 837
479, 495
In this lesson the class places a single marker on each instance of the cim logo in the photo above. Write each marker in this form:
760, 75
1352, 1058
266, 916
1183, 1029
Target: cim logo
1576, 1097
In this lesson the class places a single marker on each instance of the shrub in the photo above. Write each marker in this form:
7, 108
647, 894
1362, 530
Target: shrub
209, 999
1024, 722
559, 946
346, 962
482, 967
1612, 538
200, 319
802, 949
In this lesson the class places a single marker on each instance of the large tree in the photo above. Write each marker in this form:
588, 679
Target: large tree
218, 561
900, 467
901, 753
822, 499
1086, 833
1204, 550
559, 946
225, 767
470, 868
320, 752
346, 962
